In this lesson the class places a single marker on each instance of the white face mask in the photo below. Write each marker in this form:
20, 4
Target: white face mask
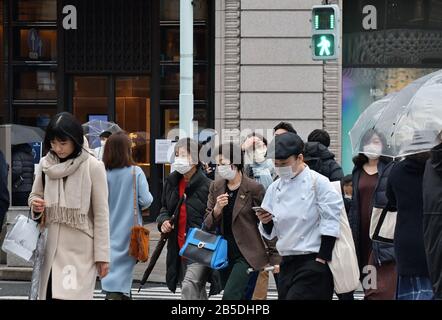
372, 151
285, 173
103, 142
226, 172
182, 165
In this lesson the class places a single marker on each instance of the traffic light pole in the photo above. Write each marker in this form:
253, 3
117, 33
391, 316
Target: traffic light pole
186, 69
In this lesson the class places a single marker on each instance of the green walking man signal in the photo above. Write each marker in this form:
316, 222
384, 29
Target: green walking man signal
325, 32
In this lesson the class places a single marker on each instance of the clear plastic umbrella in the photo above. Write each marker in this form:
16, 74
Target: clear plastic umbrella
37, 259
94, 128
408, 121
26, 134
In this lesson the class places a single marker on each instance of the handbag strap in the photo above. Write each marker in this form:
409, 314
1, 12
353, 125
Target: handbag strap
134, 184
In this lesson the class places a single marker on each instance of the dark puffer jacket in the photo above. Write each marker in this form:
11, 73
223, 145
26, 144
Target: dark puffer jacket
432, 196
197, 192
320, 159
22, 168
22, 174
382, 252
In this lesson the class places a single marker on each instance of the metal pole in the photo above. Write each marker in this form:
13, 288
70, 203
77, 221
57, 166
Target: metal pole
186, 68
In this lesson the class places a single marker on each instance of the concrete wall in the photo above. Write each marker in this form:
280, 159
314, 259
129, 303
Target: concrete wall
264, 71
279, 80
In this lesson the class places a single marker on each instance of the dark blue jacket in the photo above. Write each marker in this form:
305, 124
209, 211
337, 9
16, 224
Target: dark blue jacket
432, 196
404, 191
4, 194
382, 252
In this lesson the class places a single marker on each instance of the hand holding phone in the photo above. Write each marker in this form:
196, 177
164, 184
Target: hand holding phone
263, 216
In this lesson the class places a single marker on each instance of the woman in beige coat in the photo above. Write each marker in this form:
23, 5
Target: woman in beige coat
70, 198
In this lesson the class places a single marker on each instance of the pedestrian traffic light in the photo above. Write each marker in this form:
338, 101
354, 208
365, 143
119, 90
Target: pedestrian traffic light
325, 32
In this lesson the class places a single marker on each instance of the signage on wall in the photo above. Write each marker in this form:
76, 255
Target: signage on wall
35, 44
164, 151
37, 151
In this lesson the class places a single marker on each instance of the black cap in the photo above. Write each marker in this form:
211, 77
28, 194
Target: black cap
285, 145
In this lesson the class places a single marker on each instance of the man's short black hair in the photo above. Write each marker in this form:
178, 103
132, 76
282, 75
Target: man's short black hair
286, 126
319, 135
347, 179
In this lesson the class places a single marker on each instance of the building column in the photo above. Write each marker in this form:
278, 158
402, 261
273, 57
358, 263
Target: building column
227, 68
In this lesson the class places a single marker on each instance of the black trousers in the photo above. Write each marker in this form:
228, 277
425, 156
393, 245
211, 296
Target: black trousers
303, 278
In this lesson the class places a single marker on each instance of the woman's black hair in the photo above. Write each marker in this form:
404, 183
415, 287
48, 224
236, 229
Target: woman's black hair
64, 126
361, 158
192, 148
233, 153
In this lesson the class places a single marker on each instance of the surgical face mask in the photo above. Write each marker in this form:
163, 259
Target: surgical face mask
182, 165
372, 151
103, 142
285, 173
226, 172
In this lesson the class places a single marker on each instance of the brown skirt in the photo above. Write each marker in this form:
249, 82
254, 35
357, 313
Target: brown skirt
386, 282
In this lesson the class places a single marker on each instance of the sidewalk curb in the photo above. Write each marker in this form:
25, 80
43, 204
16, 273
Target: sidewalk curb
15, 273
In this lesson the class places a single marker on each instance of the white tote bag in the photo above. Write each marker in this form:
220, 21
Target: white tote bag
21, 240
382, 225
344, 264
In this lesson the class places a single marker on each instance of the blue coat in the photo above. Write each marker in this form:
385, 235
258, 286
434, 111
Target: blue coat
121, 220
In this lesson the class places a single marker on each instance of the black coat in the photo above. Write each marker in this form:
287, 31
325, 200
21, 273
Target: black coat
197, 192
404, 193
4, 193
22, 168
382, 252
320, 159
432, 198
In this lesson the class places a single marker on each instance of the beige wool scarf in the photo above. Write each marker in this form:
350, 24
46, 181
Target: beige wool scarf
67, 191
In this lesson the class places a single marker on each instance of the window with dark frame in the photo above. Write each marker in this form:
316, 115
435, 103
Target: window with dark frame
33, 61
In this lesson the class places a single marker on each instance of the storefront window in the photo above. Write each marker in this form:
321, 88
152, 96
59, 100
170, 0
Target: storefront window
171, 117
34, 116
170, 44
31, 83
170, 82
133, 115
170, 10
36, 44
90, 97
406, 45
36, 10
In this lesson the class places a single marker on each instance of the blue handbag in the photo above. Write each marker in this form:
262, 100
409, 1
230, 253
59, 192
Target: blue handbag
205, 248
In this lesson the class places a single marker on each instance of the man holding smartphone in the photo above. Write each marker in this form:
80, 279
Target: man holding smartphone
302, 209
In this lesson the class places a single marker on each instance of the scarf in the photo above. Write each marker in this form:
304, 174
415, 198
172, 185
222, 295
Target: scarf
67, 191
263, 172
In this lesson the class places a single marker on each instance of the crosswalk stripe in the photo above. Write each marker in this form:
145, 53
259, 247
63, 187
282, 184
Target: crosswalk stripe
163, 293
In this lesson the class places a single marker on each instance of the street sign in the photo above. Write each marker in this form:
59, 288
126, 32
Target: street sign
325, 32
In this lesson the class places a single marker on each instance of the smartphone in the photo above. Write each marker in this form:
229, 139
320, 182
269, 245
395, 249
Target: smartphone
256, 209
